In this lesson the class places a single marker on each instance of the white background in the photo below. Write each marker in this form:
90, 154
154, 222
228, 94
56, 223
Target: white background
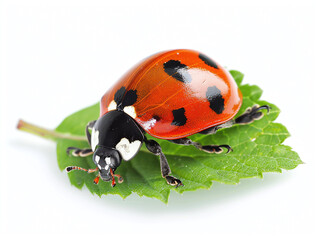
57, 58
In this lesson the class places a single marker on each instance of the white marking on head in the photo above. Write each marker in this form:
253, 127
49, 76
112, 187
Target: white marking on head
97, 158
149, 124
127, 149
108, 160
130, 110
94, 139
112, 106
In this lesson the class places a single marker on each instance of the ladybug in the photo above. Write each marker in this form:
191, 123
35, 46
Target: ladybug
169, 95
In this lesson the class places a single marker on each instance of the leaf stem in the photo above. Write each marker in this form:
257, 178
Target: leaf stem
46, 133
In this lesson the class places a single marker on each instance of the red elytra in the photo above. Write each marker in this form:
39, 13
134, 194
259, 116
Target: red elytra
204, 96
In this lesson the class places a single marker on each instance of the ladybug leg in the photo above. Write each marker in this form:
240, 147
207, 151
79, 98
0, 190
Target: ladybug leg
89, 126
78, 152
156, 149
207, 148
71, 168
214, 129
251, 114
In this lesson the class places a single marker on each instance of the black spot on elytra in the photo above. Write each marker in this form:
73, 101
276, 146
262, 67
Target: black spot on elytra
129, 98
157, 118
179, 117
208, 61
123, 99
177, 70
118, 96
216, 100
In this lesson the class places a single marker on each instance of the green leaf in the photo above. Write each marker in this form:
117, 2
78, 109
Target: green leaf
257, 149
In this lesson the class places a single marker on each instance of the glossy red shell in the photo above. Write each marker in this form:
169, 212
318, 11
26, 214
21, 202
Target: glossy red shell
158, 94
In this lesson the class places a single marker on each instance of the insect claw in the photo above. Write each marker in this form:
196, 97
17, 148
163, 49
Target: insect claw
263, 107
219, 149
229, 149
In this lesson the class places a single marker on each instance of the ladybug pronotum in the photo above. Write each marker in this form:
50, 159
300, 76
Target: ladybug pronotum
170, 95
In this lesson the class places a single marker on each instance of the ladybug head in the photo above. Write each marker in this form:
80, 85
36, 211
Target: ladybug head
107, 160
